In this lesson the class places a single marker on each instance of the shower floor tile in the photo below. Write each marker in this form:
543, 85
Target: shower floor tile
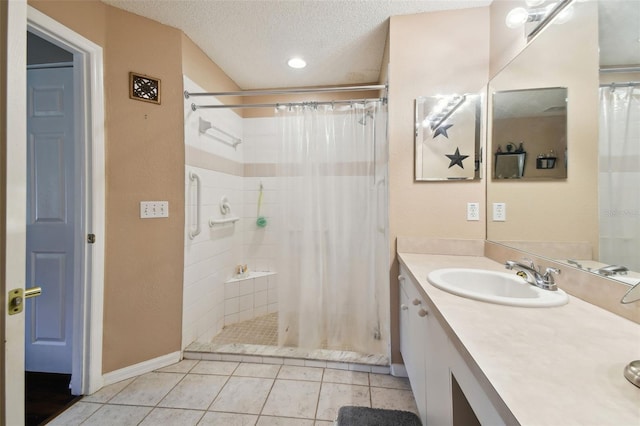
256, 340
262, 330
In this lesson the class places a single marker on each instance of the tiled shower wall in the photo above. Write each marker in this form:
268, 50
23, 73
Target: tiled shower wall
260, 157
211, 257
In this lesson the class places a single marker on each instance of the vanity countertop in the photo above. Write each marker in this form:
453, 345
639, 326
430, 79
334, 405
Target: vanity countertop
548, 366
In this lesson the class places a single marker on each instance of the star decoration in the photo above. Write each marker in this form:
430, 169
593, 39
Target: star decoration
456, 159
442, 130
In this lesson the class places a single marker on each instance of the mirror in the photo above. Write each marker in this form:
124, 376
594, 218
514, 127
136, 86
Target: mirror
633, 295
509, 166
535, 119
447, 137
572, 218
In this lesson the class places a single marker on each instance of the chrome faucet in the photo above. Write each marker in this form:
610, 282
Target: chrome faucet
574, 262
532, 275
612, 270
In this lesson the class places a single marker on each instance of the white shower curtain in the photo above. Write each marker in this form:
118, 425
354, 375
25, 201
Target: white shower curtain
619, 177
333, 250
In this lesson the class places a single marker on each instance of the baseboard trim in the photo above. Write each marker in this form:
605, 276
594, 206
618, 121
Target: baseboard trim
140, 368
399, 370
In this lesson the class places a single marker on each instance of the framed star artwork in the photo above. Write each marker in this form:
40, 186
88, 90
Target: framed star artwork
447, 137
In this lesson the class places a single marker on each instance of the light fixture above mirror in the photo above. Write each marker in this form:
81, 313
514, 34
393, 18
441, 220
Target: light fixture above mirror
538, 14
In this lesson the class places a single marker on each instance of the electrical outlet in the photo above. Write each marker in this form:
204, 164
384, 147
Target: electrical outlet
499, 212
154, 209
473, 211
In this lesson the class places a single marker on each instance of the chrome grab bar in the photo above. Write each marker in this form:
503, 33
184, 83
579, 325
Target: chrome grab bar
196, 178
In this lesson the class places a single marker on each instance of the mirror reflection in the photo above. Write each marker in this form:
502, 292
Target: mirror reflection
534, 119
534, 14
510, 165
591, 219
447, 137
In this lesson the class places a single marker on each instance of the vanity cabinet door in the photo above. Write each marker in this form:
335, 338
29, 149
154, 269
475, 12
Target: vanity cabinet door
405, 333
413, 342
437, 374
424, 346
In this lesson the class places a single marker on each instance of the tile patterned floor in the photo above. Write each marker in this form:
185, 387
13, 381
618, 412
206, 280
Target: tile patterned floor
262, 330
194, 392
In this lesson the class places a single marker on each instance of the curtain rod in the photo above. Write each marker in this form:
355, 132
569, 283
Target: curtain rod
612, 69
195, 107
621, 84
187, 94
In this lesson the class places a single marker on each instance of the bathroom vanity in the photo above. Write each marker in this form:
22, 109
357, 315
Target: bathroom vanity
512, 365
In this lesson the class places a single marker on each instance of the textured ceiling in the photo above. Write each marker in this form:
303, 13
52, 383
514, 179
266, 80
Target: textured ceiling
341, 40
619, 26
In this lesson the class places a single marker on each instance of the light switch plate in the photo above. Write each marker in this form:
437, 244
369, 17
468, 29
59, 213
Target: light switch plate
154, 209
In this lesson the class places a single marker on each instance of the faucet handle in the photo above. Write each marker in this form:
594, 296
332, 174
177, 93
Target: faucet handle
531, 264
548, 277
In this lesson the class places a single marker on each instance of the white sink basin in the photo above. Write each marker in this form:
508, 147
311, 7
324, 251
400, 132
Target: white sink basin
495, 287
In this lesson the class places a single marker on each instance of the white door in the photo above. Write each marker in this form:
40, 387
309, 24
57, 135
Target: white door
15, 30
13, 26
51, 219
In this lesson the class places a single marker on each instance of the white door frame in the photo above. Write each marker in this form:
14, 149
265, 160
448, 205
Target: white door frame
16, 203
88, 79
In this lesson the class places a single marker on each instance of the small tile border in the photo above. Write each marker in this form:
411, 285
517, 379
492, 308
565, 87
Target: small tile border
376, 368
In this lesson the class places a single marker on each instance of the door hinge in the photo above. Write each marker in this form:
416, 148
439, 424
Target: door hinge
91, 238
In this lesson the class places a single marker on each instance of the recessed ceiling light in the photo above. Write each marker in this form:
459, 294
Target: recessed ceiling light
296, 63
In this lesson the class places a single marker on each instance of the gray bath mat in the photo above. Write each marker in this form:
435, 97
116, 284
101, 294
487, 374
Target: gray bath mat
363, 416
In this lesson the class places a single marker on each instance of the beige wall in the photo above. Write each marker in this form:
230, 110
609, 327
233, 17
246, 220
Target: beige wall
505, 42
206, 74
144, 161
87, 18
429, 55
308, 97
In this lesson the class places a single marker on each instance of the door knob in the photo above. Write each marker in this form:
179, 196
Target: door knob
17, 296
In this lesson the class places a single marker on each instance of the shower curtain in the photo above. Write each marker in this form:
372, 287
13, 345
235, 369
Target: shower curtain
333, 249
619, 177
